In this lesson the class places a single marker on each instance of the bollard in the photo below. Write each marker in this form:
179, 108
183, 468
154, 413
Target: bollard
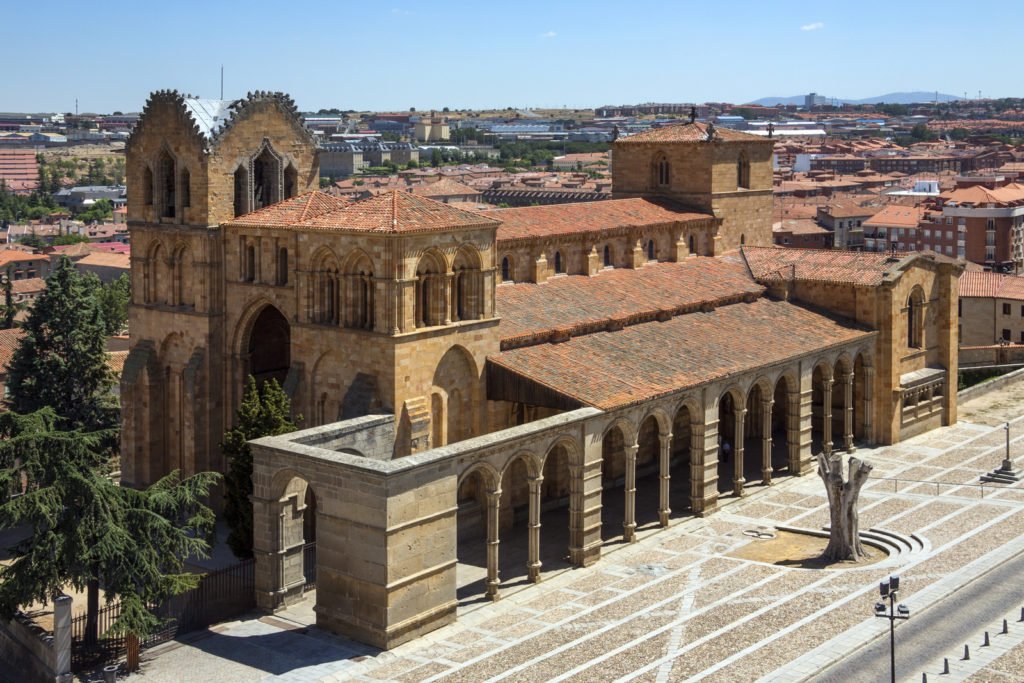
924, 678
986, 643
945, 665
967, 653
1022, 613
1006, 627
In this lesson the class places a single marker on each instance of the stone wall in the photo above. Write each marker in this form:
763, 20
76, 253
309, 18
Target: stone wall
29, 653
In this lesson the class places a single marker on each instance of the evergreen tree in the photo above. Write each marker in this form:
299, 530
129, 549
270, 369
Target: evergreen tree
265, 411
10, 308
61, 361
114, 299
87, 532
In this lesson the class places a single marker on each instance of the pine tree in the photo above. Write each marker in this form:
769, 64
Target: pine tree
114, 299
88, 532
265, 411
10, 308
61, 361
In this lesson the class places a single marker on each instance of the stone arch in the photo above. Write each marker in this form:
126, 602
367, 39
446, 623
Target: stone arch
267, 345
684, 419
359, 291
183, 276
627, 428
325, 287
267, 176
467, 283
821, 407
431, 288
785, 425
456, 381
729, 403
743, 171
491, 475
157, 274
914, 315
861, 396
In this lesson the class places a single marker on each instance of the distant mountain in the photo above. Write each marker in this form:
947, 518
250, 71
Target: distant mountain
889, 98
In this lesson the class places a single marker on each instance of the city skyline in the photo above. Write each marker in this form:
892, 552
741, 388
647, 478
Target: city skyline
402, 55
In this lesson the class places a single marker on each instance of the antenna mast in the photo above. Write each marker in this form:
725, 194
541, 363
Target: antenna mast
222, 81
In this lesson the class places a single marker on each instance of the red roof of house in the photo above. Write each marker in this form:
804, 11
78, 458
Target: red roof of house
991, 285
530, 222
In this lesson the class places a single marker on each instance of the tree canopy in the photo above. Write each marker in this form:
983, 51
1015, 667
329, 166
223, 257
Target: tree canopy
265, 411
61, 362
87, 532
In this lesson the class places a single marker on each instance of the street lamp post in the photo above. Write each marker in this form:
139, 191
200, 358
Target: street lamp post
890, 589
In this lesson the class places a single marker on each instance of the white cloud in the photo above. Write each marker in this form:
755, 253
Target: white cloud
548, 34
813, 26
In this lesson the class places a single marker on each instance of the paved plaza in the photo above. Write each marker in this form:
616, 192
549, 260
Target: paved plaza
676, 605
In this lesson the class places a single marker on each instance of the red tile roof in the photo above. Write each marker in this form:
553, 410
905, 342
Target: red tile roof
529, 222
991, 285
9, 340
390, 212
691, 132
30, 285
8, 256
896, 216
820, 265
445, 187
578, 304
613, 369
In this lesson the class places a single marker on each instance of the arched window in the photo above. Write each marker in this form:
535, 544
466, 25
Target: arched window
241, 191
743, 171
743, 238
147, 186
662, 172
506, 270
282, 266
558, 262
266, 180
468, 284
650, 250
359, 292
167, 185
915, 319
430, 291
607, 256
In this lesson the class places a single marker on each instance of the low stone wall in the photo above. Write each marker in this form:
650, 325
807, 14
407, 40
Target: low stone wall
997, 354
989, 386
372, 436
31, 654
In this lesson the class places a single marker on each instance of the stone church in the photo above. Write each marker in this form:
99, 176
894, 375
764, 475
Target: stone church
575, 371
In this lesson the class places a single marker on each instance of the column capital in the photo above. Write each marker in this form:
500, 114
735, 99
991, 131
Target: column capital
631, 451
494, 497
535, 481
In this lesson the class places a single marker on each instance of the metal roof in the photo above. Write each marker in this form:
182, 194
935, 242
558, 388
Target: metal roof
210, 115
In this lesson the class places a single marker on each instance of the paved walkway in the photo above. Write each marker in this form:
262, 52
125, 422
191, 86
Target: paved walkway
675, 605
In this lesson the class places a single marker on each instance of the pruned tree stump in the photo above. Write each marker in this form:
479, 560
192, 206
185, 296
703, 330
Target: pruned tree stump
844, 543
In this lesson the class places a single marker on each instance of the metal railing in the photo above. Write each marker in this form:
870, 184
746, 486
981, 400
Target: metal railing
896, 481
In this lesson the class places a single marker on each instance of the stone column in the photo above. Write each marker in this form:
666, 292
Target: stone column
737, 466
704, 467
848, 411
421, 286
826, 415
533, 563
493, 510
576, 516
629, 523
800, 421
447, 297
62, 637
278, 549
665, 477
869, 377
766, 441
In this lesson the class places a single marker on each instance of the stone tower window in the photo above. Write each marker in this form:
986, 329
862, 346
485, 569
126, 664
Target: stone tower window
250, 263
607, 256
468, 284
167, 185
430, 291
266, 173
147, 186
241, 187
558, 263
506, 270
359, 292
291, 182
743, 171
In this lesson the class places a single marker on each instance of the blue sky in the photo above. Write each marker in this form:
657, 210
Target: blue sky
389, 54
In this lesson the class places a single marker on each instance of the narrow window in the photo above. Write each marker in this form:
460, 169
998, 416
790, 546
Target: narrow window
607, 256
693, 248
147, 187
241, 183
250, 263
186, 189
282, 266
558, 262
291, 182
743, 171
743, 238
663, 172
1006, 309
505, 270
650, 250
167, 180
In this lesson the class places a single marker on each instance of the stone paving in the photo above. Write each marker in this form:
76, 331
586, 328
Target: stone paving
673, 606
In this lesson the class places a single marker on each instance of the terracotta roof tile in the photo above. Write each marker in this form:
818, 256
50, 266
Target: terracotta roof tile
28, 285
9, 340
991, 285
529, 222
691, 132
445, 187
897, 216
613, 369
292, 211
396, 211
820, 265
577, 304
